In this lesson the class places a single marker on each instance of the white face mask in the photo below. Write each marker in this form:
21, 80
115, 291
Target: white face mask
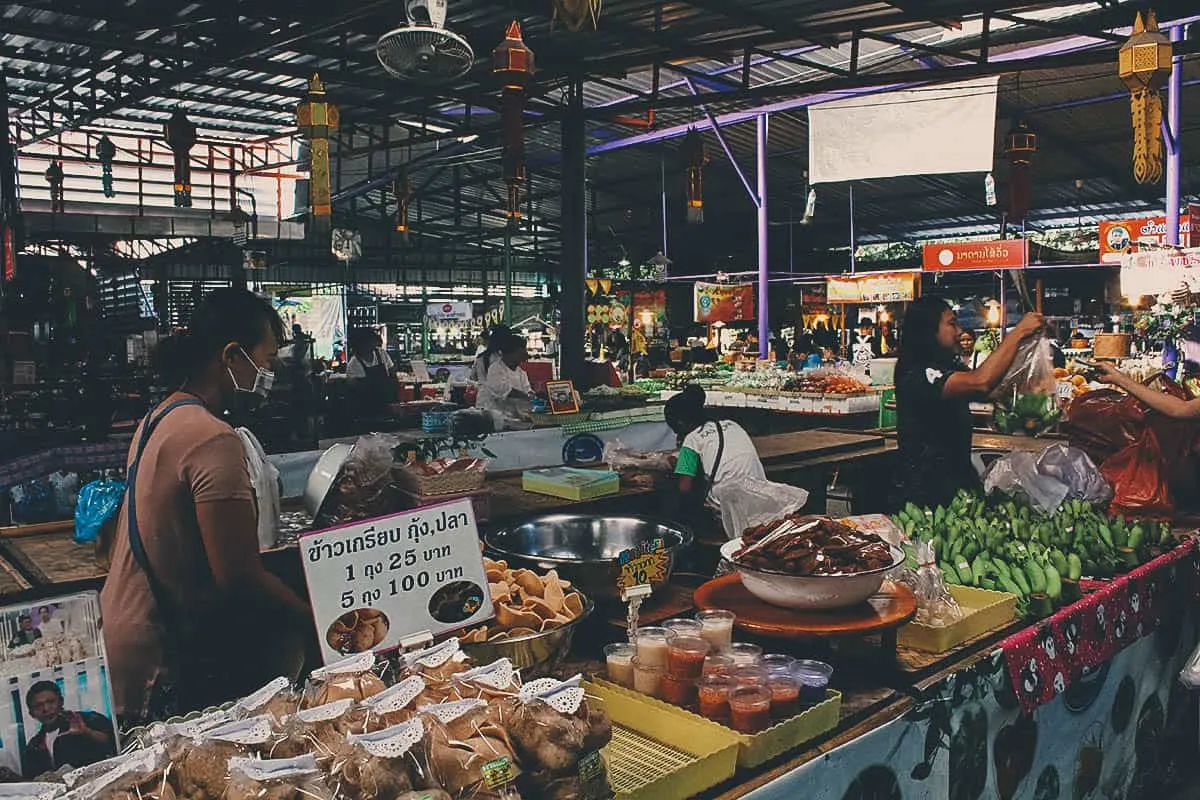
264, 379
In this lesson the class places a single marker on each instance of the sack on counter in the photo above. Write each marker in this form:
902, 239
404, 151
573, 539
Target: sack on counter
467, 752
276, 779
378, 766
351, 678
557, 733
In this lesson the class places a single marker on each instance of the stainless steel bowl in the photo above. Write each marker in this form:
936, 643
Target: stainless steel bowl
537, 655
584, 549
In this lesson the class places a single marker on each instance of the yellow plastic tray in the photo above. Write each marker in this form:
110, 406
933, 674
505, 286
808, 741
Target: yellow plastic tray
983, 611
658, 755
753, 749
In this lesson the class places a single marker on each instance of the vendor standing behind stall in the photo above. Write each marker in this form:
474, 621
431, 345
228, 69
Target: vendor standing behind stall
934, 390
505, 391
372, 371
191, 617
710, 451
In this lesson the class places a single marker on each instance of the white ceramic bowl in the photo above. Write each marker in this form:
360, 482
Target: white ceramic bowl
323, 475
814, 592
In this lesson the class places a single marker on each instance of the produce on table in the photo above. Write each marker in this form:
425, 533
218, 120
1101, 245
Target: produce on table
1038, 558
1030, 413
800, 545
525, 603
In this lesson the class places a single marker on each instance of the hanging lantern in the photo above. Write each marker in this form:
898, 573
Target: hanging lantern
1145, 65
512, 64
404, 194
181, 137
317, 119
106, 151
696, 157
1020, 146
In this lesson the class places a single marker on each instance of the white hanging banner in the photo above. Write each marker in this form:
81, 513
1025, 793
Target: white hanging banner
925, 131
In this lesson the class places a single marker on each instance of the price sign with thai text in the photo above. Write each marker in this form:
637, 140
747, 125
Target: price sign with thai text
643, 565
376, 582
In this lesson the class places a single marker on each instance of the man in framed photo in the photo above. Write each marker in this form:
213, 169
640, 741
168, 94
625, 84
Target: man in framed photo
66, 738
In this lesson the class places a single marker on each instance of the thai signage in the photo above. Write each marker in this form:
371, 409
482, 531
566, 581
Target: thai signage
872, 287
1121, 236
997, 254
447, 311
724, 302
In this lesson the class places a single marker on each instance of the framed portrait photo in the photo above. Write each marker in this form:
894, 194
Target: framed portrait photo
563, 399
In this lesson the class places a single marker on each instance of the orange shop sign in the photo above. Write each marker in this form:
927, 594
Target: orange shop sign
997, 254
872, 287
1120, 236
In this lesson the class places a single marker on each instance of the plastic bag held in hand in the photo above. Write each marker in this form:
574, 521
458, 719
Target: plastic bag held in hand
746, 502
1032, 370
98, 502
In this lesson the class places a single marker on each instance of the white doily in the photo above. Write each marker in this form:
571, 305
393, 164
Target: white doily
274, 769
433, 657
326, 712
448, 712
255, 730
359, 662
396, 697
498, 674
563, 696
30, 791
391, 742
266, 694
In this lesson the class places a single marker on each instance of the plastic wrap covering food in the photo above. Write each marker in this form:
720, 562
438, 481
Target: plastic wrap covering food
467, 751
351, 678
1016, 475
557, 732
277, 699
363, 485
144, 775
276, 779
436, 665
320, 731
490, 682
33, 790
202, 764
619, 456
1077, 471
379, 765
746, 502
935, 605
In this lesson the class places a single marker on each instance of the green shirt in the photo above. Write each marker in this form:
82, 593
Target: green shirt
688, 462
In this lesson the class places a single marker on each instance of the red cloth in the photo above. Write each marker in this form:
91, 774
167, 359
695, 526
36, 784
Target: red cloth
539, 373
1046, 658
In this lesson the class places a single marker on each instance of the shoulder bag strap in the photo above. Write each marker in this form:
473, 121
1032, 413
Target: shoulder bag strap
720, 452
136, 546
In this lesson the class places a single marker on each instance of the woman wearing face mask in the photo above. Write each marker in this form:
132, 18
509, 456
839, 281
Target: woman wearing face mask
185, 560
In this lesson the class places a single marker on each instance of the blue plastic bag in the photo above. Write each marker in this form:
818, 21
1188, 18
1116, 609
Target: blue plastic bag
98, 503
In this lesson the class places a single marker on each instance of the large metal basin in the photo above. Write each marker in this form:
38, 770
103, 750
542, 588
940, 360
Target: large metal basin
584, 549
537, 655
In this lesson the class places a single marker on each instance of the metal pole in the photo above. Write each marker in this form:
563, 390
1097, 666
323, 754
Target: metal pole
574, 235
853, 257
662, 169
508, 276
1173, 137
764, 329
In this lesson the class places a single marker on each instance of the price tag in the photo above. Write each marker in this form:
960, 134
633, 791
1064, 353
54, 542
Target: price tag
643, 565
377, 582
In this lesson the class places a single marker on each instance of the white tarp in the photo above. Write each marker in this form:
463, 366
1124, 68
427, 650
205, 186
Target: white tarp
925, 131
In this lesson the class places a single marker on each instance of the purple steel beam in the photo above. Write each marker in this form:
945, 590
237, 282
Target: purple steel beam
716, 129
764, 272
1172, 133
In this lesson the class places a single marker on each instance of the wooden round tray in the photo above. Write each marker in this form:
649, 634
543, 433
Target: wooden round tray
894, 605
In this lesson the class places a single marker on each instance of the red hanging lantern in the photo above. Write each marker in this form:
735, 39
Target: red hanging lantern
512, 64
1020, 146
696, 157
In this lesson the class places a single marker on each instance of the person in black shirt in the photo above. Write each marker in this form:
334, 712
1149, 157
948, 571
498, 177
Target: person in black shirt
934, 390
67, 738
26, 633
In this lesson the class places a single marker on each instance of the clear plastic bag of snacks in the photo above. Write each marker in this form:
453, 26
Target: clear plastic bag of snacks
467, 752
352, 678
319, 731
379, 765
557, 733
202, 764
276, 779
277, 699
